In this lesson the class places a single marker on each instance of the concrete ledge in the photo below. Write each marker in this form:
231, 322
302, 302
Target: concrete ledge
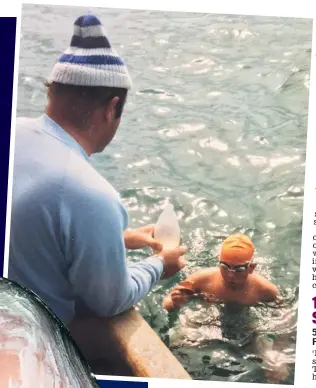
125, 345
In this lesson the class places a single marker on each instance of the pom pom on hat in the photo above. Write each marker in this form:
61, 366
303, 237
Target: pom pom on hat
90, 60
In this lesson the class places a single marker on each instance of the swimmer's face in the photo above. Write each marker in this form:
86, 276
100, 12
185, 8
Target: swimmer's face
236, 259
235, 271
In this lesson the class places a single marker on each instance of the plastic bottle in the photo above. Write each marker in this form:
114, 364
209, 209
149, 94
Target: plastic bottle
167, 230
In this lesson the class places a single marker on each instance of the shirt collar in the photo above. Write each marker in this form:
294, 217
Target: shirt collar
50, 126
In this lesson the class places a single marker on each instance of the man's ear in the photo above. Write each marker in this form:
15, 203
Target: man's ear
110, 109
252, 267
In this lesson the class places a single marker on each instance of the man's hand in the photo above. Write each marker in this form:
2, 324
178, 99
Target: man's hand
173, 261
141, 237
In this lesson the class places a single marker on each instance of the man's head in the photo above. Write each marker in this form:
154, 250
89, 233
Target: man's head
235, 259
88, 86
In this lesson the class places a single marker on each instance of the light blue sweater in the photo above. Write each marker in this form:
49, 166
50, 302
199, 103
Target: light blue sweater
67, 223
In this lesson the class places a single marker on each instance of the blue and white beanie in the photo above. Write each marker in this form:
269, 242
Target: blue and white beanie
90, 60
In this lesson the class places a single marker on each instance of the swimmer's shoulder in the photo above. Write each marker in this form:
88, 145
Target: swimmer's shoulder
203, 276
267, 290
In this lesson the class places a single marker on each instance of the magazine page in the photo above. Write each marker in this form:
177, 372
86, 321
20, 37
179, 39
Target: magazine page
158, 195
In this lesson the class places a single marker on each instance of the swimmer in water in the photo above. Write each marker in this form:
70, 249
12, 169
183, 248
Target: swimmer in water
233, 282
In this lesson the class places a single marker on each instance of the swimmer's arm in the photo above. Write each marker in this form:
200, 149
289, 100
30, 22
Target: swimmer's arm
176, 298
167, 303
269, 292
186, 290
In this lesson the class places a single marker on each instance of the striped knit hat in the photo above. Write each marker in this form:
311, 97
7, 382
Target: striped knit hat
90, 60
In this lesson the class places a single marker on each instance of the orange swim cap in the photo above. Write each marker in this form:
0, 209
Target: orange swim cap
237, 247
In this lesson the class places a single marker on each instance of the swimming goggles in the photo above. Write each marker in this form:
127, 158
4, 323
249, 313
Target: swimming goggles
236, 268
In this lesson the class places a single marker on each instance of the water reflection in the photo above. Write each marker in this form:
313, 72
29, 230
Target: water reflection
257, 344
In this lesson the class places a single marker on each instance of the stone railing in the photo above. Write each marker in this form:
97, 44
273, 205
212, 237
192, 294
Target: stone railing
125, 345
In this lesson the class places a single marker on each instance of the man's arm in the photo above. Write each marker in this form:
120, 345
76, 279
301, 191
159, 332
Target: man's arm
93, 228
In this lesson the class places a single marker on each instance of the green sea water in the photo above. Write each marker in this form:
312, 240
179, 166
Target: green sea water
216, 122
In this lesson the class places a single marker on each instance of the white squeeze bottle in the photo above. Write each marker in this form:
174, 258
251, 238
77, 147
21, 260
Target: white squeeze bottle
167, 230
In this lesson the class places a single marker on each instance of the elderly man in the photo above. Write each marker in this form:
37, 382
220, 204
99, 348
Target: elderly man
68, 225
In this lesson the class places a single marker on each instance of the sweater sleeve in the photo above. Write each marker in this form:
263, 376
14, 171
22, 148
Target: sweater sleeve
92, 227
